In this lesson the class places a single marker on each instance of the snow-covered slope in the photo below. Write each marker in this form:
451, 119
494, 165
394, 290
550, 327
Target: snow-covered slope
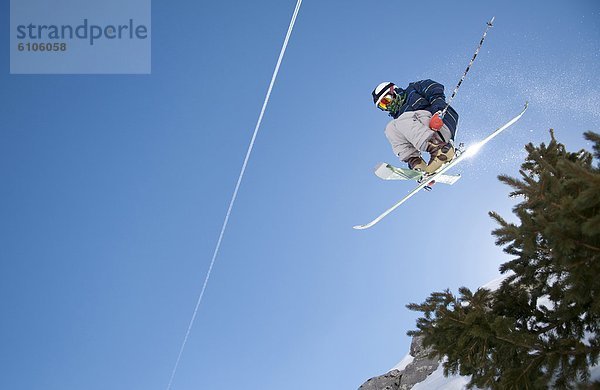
437, 381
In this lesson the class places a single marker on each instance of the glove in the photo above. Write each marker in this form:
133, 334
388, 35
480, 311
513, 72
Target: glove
436, 123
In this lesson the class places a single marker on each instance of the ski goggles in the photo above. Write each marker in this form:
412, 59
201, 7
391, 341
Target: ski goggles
385, 102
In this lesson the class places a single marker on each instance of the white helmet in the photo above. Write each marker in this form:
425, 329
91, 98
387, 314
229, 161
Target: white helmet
381, 90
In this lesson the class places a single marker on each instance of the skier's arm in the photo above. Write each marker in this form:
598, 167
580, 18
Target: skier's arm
433, 92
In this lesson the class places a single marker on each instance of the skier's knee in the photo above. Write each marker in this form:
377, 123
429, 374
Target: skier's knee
435, 143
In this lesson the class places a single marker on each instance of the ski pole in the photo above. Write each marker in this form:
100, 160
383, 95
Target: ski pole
489, 25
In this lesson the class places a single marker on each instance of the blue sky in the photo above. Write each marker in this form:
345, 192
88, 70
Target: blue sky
114, 189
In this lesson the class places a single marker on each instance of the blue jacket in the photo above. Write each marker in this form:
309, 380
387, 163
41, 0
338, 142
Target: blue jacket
426, 95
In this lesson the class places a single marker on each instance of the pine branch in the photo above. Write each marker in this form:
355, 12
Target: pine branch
528, 347
588, 246
529, 366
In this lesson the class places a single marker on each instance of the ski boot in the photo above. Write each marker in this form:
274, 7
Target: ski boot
417, 164
441, 153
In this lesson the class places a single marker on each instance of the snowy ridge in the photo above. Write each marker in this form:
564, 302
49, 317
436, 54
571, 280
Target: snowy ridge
437, 381
406, 360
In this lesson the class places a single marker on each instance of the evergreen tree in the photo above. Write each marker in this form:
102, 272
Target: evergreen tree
540, 328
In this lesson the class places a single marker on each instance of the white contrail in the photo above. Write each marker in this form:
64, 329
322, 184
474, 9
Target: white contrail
237, 187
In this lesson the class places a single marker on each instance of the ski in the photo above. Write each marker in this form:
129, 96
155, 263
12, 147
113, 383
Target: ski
387, 171
426, 180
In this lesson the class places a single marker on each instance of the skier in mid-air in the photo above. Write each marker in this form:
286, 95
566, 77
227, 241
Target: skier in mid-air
417, 126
